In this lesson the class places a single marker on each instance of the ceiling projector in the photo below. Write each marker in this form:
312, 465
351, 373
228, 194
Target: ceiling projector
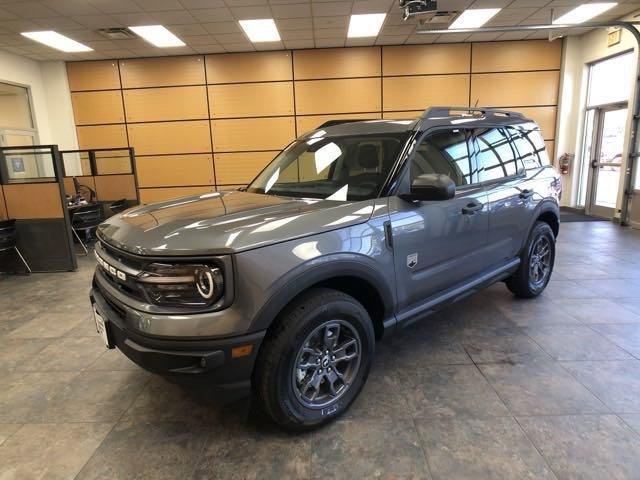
414, 8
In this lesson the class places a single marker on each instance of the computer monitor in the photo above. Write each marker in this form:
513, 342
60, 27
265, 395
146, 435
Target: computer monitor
76, 185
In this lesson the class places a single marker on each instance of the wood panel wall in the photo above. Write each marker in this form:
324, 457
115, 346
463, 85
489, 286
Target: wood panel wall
203, 122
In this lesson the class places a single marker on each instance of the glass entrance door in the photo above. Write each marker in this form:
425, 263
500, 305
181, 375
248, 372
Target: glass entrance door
607, 160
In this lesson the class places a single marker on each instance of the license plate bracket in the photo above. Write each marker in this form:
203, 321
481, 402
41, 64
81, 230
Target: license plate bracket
102, 328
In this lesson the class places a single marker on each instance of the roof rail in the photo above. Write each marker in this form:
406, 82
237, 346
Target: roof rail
331, 123
448, 112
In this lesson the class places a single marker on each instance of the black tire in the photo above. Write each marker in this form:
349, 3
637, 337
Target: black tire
523, 283
277, 383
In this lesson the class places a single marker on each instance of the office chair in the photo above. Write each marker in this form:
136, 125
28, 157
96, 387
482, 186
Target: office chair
8, 240
85, 192
118, 206
84, 219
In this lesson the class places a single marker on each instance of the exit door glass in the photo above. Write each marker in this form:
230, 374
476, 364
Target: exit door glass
609, 157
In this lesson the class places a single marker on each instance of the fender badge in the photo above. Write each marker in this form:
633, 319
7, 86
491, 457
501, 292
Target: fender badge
412, 260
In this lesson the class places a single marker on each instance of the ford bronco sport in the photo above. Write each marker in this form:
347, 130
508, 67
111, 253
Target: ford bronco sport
355, 229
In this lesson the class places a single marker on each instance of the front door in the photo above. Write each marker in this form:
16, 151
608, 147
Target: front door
606, 161
438, 244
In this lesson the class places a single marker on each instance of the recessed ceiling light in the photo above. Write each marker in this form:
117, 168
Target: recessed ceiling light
473, 18
158, 36
583, 13
261, 30
55, 40
366, 25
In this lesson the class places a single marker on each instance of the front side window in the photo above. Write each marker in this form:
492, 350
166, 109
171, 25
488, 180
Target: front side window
495, 154
349, 167
445, 152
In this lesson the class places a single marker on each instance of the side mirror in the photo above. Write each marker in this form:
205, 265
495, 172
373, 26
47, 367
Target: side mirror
431, 186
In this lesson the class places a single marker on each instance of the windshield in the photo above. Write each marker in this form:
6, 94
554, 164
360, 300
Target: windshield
350, 167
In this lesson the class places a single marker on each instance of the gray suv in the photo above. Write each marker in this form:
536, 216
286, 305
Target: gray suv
355, 229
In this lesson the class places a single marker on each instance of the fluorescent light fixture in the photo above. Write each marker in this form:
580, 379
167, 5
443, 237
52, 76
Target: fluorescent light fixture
261, 30
158, 36
55, 40
583, 13
473, 18
366, 25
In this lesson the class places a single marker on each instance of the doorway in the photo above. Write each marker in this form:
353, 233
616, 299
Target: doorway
607, 125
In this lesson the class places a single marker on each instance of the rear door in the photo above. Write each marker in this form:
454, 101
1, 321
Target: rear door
438, 244
502, 172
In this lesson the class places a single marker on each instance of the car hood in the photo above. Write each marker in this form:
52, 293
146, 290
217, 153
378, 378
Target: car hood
226, 222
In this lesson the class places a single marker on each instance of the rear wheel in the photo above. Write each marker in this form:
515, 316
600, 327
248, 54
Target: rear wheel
316, 360
536, 264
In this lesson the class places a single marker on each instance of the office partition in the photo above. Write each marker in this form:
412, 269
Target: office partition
32, 193
109, 174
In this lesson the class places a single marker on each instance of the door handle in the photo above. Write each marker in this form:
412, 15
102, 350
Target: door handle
526, 193
594, 164
471, 208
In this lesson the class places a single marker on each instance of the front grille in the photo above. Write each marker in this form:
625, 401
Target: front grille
120, 272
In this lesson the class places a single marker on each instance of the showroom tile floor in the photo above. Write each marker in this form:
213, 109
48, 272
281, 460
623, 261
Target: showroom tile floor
492, 387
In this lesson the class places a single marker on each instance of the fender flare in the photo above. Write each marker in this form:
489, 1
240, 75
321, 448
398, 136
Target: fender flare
546, 205
318, 270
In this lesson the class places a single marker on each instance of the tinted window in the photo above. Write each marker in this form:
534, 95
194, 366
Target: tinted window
445, 152
495, 154
350, 167
530, 147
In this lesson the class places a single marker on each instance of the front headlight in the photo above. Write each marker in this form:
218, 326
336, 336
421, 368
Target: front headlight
182, 285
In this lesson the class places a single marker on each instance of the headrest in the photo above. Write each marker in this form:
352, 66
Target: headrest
368, 156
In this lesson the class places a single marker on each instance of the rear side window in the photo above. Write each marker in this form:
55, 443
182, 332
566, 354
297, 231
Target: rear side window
445, 152
530, 146
495, 154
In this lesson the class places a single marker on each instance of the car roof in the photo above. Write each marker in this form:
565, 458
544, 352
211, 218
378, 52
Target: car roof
432, 117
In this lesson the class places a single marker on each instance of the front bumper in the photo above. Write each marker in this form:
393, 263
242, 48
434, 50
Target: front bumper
214, 362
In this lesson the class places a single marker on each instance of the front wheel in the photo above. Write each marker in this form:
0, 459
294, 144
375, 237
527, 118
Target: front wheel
536, 264
316, 360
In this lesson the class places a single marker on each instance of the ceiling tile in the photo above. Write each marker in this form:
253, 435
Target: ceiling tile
331, 22
174, 17
19, 25
30, 10
373, 6
159, 5
119, 53
212, 15
131, 43
102, 44
294, 24
397, 30
189, 4
133, 19
194, 40
391, 39
97, 21
7, 15
149, 52
238, 47
59, 24
360, 42
329, 42
115, 6
331, 9
184, 50
329, 32
245, 3
70, 7
250, 13
188, 29
230, 38
264, 46
299, 44
287, 2
222, 27
528, 3
297, 35
298, 10
86, 35
490, 3
511, 16
213, 48
414, 39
